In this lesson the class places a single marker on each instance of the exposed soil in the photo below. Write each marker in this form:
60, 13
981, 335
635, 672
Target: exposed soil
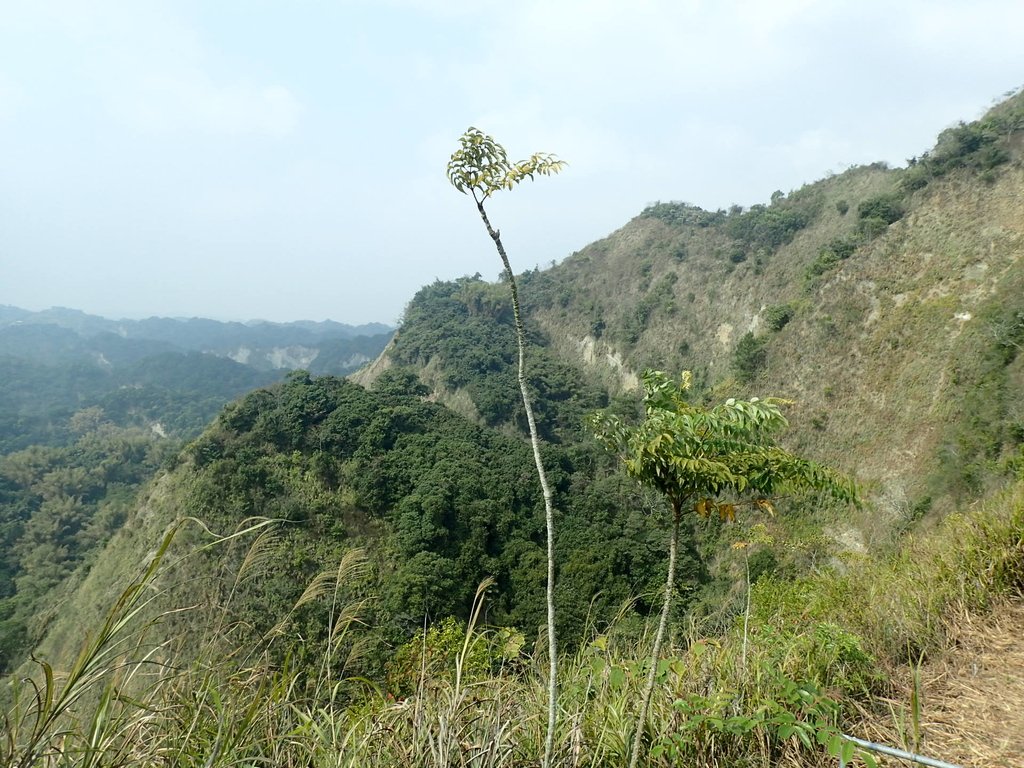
972, 711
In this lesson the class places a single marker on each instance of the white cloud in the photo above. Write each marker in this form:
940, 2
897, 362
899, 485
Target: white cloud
135, 116
812, 152
615, 51
954, 28
442, 8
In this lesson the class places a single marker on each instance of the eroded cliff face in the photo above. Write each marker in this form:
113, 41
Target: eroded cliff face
927, 344
368, 373
275, 357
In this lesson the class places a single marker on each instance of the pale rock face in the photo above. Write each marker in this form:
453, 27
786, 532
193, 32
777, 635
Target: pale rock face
629, 379
848, 539
368, 374
869, 290
589, 354
276, 357
291, 357
356, 359
724, 334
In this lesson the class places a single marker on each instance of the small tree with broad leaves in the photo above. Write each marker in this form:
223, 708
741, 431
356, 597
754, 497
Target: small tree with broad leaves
707, 460
480, 167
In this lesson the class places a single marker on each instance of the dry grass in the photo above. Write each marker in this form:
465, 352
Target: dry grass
972, 696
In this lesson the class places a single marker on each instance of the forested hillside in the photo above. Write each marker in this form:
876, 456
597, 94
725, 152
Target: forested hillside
885, 306
57, 335
90, 409
59, 506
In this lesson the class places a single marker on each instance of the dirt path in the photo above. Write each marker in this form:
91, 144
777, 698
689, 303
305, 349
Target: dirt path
973, 699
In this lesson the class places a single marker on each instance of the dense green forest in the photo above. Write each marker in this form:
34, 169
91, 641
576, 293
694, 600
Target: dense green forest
59, 505
193, 334
441, 504
172, 372
466, 327
77, 443
180, 392
90, 409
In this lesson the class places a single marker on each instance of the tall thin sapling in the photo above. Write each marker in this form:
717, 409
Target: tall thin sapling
706, 460
480, 167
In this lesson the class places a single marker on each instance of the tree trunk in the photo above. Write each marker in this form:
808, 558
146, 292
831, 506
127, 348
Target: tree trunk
673, 547
545, 488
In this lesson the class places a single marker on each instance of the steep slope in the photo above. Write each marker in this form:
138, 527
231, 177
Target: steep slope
971, 712
887, 304
886, 354
89, 411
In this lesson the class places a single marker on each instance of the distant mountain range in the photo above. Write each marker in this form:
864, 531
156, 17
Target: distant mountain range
59, 334
171, 375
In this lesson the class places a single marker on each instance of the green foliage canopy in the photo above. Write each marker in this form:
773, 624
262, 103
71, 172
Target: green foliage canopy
749, 356
438, 502
481, 166
58, 506
695, 455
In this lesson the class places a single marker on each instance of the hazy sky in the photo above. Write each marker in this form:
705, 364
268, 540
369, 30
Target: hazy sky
246, 159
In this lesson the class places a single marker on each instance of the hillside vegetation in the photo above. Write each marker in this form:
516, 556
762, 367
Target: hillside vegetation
437, 503
888, 305
90, 409
176, 374
816, 655
354, 573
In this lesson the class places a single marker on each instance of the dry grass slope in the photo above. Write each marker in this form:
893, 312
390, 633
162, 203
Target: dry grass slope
972, 711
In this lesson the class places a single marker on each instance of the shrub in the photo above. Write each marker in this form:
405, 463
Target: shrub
826, 260
872, 227
836, 250
681, 214
777, 315
661, 298
432, 656
981, 146
749, 357
887, 208
842, 247
770, 228
913, 178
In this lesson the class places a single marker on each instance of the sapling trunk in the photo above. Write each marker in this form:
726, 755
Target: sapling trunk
659, 637
549, 514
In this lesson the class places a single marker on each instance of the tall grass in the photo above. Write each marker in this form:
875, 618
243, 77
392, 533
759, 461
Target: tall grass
818, 654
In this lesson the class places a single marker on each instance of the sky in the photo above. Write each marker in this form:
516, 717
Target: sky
249, 159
